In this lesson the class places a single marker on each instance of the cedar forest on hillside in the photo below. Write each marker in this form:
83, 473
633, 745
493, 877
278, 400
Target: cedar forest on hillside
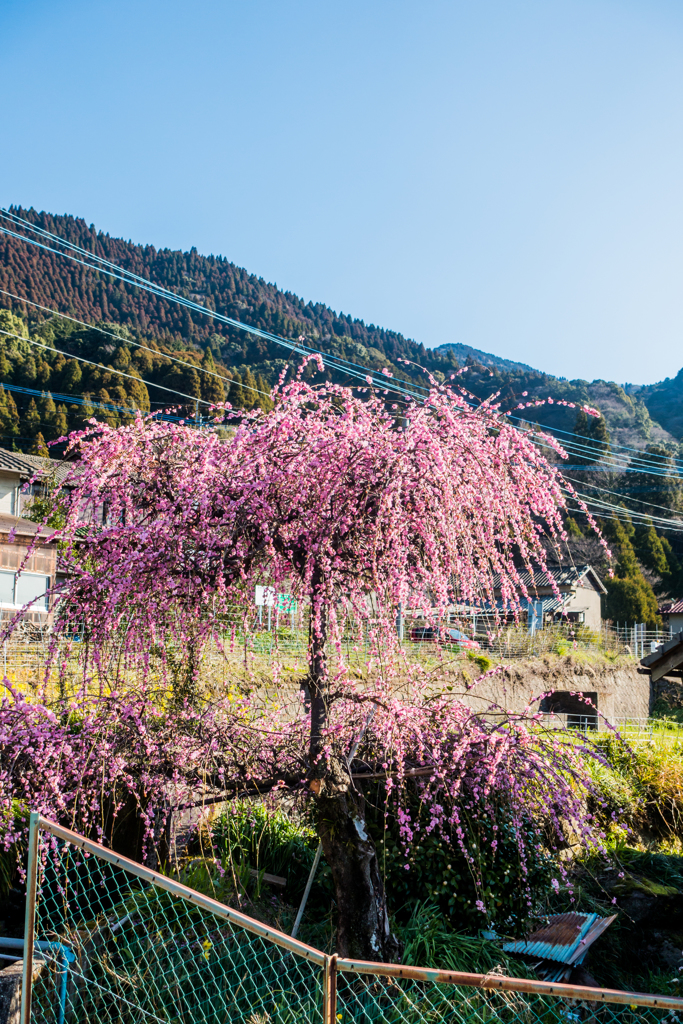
650, 418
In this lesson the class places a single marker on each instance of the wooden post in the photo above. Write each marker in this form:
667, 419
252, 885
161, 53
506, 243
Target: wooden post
30, 925
330, 990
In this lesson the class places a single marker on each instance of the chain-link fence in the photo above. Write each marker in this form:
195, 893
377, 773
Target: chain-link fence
109, 940
113, 941
370, 993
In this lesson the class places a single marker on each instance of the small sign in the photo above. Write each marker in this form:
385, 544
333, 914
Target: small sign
286, 603
265, 597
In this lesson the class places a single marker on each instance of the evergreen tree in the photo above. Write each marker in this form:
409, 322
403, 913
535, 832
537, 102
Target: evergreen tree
265, 401
72, 376
48, 411
5, 367
137, 393
30, 421
29, 372
650, 551
39, 447
13, 325
595, 439
104, 412
9, 415
185, 380
121, 358
250, 390
630, 598
144, 364
572, 527
43, 372
213, 389
674, 577
83, 413
60, 425
631, 601
237, 397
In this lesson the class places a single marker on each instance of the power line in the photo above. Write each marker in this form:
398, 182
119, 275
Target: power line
83, 400
612, 445
130, 341
333, 362
574, 448
641, 517
128, 277
101, 366
617, 494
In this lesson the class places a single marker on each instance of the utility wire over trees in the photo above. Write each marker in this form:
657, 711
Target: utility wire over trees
353, 507
594, 429
105, 373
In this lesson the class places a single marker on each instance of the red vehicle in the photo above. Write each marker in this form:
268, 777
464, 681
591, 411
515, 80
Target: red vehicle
427, 634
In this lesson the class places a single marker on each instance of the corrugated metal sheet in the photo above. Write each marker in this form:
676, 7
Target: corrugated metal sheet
672, 609
566, 938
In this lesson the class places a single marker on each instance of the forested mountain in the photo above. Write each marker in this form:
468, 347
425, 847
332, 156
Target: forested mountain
47, 391
465, 353
647, 415
213, 281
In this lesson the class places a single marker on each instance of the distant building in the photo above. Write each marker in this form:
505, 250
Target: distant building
580, 595
672, 614
37, 577
16, 469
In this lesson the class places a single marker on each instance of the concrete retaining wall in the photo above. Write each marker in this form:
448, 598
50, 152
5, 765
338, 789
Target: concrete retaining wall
620, 691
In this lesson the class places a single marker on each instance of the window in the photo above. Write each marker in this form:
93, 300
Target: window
6, 587
30, 586
18, 591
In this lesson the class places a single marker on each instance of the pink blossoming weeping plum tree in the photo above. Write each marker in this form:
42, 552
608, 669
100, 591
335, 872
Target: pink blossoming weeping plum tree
356, 508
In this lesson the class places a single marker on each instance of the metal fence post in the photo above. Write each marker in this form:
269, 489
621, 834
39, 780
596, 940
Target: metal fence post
330, 990
30, 925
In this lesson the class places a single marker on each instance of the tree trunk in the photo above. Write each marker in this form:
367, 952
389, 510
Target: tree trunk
363, 931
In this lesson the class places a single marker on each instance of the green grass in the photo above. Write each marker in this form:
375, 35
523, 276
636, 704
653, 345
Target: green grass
430, 941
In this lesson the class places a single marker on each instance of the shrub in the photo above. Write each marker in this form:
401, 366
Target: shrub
482, 662
474, 884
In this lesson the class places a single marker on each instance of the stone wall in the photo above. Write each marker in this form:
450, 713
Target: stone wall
620, 691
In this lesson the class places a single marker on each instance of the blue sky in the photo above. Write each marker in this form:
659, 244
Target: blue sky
504, 173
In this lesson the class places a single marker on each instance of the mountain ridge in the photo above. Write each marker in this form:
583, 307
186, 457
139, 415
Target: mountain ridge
637, 418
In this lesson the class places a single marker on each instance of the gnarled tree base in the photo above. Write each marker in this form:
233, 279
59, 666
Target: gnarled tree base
363, 930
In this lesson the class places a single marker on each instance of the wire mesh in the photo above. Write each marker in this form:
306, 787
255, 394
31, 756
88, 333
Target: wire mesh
117, 942
24, 658
116, 947
371, 999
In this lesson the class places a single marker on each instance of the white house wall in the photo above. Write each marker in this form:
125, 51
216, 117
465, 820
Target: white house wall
9, 483
587, 601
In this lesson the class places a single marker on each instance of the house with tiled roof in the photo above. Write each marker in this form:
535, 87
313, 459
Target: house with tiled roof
568, 593
672, 613
24, 581
17, 470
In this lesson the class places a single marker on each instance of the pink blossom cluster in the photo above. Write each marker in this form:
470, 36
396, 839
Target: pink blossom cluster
437, 504
354, 508
80, 761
